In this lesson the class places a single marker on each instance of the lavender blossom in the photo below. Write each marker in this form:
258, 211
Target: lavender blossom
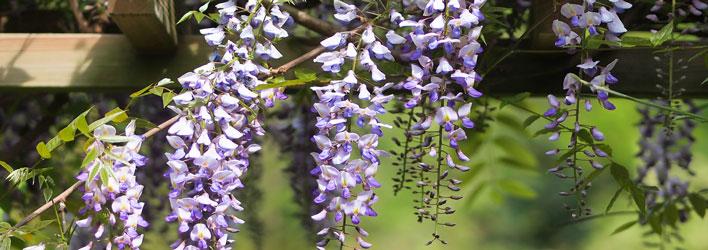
111, 187
220, 118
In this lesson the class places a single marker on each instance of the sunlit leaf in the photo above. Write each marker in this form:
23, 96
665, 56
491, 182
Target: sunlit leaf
120, 115
624, 227
699, 204
663, 35
43, 150
104, 120
6, 166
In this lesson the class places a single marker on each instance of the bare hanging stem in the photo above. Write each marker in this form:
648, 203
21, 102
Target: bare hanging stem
315, 24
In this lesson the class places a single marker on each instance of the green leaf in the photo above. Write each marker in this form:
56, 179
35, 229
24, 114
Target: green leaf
142, 123
614, 198
186, 16
604, 147
157, 91
204, 7
530, 120
517, 189
639, 198
104, 120
621, 175
655, 223
543, 131
120, 117
36, 226
199, 16
94, 172
6, 244
54, 143
305, 75
90, 156
586, 137
43, 150
114, 139
514, 99
104, 175
6, 166
663, 35
164, 81
23, 174
624, 227
167, 98
698, 203
82, 125
140, 93
68, 133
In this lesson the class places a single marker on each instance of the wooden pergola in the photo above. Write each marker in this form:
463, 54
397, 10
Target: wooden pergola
150, 49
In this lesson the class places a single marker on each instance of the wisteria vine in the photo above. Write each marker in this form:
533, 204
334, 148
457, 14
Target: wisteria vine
435, 46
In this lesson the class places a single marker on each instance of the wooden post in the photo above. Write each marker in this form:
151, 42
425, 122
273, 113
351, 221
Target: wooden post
148, 24
543, 11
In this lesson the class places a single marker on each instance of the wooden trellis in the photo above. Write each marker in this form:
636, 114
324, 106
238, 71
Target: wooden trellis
105, 62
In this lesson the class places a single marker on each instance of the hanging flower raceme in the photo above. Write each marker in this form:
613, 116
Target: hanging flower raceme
585, 143
683, 8
220, 117
111, 188
663, 149
440, 42
346, 183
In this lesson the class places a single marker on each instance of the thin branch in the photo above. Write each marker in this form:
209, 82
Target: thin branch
79, 17
597, 216
62, 197
307, 56
315, 24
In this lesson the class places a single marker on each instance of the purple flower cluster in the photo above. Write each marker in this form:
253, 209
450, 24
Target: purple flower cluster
220, 117
585, 143
452, 27
682, 8
440, 41
662, 149
346, 183
587, 16
111, 188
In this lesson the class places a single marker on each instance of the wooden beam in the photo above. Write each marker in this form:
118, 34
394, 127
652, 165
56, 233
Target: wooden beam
94, 62
148, 24
542, 71
100, 62
88, 62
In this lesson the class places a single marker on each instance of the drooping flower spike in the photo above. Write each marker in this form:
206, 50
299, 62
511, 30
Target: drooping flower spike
585, 144
112, 189
220, 117
346, 182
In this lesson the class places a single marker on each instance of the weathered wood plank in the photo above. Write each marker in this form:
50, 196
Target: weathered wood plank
93, 62
148, 24
70, 62
542, 72
100, 62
